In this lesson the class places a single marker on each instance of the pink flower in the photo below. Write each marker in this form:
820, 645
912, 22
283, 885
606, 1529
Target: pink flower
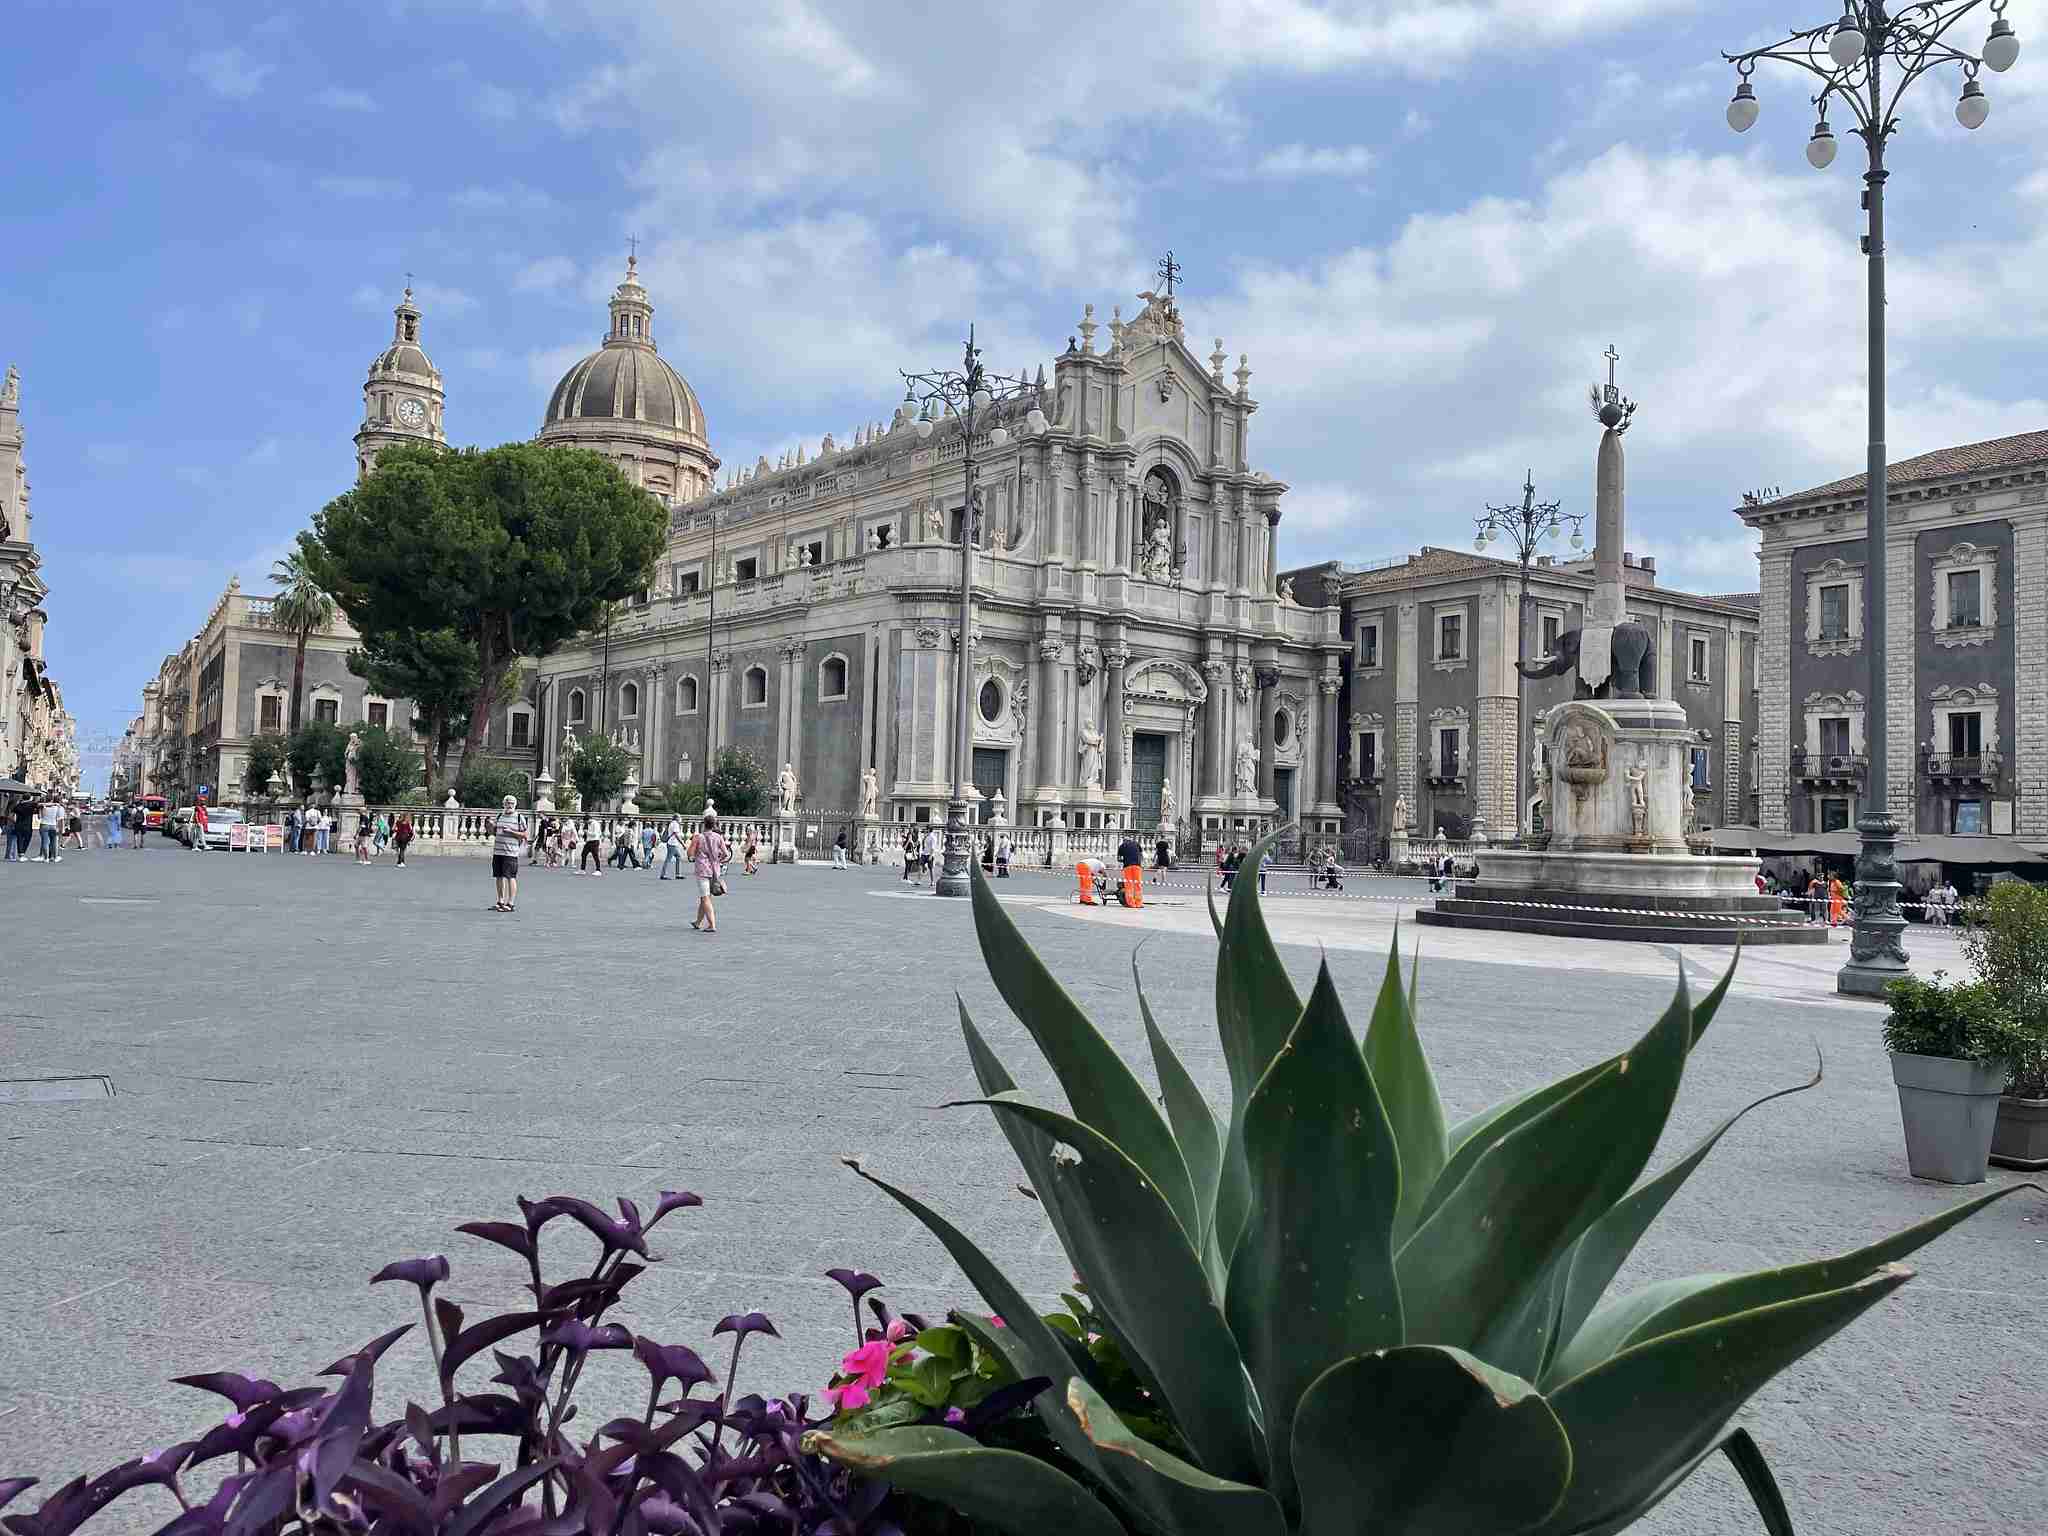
898, 1331
997, 1321
869, 1364
847, 1396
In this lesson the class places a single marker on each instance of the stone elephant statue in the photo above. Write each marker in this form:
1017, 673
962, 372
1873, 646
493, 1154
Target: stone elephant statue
1634, 672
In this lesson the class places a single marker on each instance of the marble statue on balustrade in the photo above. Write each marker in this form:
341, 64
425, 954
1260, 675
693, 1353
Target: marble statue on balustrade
786, 788
570, 746
1156, 564
1166, 805
870, 792
352, 758
1091, 756
1247, 773
1286, 592
934, 524
1398, 823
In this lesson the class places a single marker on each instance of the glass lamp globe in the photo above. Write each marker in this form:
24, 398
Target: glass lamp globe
1743, 108
981, 398
1846, 46
997, 437
1973, 106
2002, 48
924, 427
1820, 149
1479, 542
1035, 421
1550, 532
1578, 539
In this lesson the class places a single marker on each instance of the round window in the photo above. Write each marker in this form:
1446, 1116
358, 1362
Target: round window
991, 701
1283, 727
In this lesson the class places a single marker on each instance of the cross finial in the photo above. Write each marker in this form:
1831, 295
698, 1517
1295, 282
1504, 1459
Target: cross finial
408, 285
1612, 357
1169, 274
633, 246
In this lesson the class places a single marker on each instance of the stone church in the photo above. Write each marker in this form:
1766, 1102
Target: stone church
1134, 661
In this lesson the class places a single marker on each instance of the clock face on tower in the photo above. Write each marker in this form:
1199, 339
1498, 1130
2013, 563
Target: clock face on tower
411, 414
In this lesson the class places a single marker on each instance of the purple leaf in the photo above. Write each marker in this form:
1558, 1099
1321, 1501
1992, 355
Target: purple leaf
349, 1409
744, 1323
671, 1362
243, 1391
857, 1283
458, 1484
581, 1337
425, 1273
673, 1200
209, 1517
449, 1316
374, 1349
665, 1517
484, 1508
416, 1424
629, 1213
267, 1495
504, 1233
608, 1230
390, 1495
483, 1335
11, 1487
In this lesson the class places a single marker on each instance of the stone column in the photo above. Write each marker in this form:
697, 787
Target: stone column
715, 704
653, 767
1268, 679
1046, 686
1115, 767
1326, 758
1902, 702
1216, 749
1407, 685
1774, 684
2030, 665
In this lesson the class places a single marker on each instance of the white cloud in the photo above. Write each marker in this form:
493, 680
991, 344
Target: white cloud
341, 99
1293, 162
363, 186
510, 197
230, 72
548, 274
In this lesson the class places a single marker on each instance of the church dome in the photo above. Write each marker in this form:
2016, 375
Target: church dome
626, 384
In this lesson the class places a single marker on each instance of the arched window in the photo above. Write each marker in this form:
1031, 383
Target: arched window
832, 678
686, 696
576, 706
991, 701
756, 694
629, 700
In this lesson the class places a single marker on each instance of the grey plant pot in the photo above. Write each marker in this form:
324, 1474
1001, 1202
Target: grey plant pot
1949, 1108
2020, 1139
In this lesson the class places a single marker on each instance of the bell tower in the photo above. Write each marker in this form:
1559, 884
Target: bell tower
402, 397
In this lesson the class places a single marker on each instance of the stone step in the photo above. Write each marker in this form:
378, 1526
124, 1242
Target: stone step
1551, 895
1641, 927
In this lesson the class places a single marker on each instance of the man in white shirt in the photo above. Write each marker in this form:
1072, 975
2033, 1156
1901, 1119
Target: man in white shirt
929, 853
672, 848
508, 842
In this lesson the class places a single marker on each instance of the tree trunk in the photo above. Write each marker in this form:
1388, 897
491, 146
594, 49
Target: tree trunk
487, 688
437, 745
298, 678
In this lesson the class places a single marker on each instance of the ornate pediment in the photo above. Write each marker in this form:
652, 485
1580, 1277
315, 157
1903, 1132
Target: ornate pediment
1162, 680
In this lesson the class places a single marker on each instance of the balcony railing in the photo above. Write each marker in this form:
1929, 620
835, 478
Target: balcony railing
1964, 765
1829, 767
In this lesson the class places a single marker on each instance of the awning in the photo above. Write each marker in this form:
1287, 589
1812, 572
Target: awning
13, 787
1928, 848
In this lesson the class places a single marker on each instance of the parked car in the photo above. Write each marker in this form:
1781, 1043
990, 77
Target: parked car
221, 821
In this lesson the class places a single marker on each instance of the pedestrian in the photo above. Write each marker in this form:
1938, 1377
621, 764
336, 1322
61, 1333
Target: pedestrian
365, 835
1162, 861
910, 854
323, 830
291, 830
1265, 863
648, 840
1226, 866
839, 850
672, 848
114, 827
21, 828
141, 826
508, 842
752, 862
928, 855
1003, 856
1838, 902
50, 820
74, 828
592, 836
988, 852
383, 832
708, 853
199, 825
622, 848
401, 836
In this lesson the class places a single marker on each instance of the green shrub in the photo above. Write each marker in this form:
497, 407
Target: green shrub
268, 754
2006, 940
386, 766
598, 770
1340, 1315
738, 785
484, 785
318, 748
1957, 1020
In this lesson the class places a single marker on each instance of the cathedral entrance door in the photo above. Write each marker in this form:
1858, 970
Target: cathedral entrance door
1283, 792
1148, 774
991, 766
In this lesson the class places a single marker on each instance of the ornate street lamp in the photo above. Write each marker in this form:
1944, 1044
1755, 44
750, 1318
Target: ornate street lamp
972, 394
1526, 526
1849, 58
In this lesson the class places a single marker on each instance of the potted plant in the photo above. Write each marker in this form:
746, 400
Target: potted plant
1950, 1059
2005, 936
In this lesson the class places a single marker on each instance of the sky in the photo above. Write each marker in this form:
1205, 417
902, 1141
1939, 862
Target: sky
1422, 220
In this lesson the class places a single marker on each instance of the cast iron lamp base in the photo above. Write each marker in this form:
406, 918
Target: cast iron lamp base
1877, 949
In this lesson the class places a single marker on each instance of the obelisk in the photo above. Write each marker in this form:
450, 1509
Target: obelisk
1609, 604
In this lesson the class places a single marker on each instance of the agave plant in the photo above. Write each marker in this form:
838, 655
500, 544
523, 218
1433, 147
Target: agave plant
1356, 1317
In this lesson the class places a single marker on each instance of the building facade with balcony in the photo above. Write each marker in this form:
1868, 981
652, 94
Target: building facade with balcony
1435, 714
1966, 646
1132, 662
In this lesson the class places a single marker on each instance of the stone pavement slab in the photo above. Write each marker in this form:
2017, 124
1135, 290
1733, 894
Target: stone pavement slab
318, 1067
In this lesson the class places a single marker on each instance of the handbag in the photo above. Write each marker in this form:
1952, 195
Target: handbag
717, 886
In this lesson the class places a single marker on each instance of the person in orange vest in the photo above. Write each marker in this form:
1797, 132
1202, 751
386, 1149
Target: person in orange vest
1131, 858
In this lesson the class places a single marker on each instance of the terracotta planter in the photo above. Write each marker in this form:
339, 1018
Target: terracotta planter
2020, 1137
1949, 1108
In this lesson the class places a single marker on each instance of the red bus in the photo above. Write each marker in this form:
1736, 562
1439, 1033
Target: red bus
154, 809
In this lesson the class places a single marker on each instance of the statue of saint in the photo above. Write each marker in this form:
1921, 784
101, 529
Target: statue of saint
785, 788
1166, 806
1091, 755
934, 524
569, 744
1247, 775
870, 791
1286, 590
1399, 824
355, 752
1157, 562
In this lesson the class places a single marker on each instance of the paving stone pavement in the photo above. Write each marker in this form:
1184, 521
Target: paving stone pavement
317, 1068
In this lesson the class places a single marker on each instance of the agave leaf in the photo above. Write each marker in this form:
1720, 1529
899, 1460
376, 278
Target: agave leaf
1032, 1146
1103, 1091
1523, 1339
1598, 1256
1426, 1442
1669, 1306
1026, 1343
1393, 1054
1147, 1280
1006, 1490
1313, 1279
1533, 1191
1467, 1143
1643, 1418
1176, 1497
1747, 1458
1256, 1006
1193, 1122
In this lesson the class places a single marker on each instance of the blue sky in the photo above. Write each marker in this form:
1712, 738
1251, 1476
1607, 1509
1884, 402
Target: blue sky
1423, 220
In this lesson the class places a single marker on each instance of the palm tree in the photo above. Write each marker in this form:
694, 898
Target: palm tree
299, 607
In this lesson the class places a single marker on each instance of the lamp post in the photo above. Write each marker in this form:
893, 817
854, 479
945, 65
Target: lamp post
973, 395
1525, 526
1848, 57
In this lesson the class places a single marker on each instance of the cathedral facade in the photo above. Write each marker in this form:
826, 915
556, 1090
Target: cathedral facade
1132, 661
